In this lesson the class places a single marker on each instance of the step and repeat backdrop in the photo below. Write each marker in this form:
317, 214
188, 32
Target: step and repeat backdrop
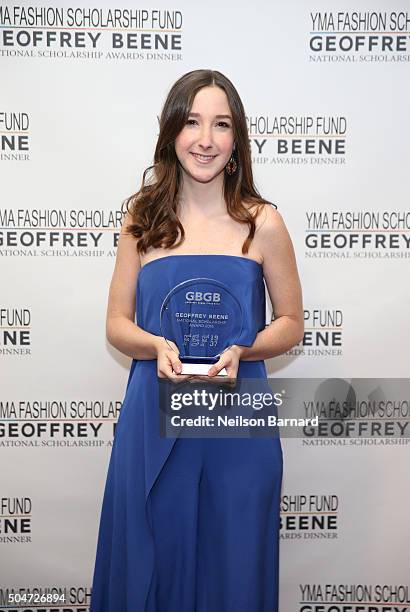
326, 92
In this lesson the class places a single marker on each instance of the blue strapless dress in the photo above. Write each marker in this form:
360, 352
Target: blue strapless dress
126, 556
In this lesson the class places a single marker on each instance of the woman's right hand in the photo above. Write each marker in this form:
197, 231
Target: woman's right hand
168, 362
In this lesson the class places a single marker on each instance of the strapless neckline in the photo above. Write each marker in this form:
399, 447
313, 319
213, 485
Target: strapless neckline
166, 257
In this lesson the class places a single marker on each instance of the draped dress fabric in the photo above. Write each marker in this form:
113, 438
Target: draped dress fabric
125, 575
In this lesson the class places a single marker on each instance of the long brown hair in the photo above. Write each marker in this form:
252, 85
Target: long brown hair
153, 208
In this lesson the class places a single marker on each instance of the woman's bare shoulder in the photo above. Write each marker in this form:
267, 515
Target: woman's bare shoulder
127, 251
271, 233
266, 216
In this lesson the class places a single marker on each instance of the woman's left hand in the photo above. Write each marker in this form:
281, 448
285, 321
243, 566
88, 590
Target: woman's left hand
229, 360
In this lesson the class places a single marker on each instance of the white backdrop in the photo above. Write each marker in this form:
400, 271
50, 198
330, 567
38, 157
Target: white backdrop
326, 92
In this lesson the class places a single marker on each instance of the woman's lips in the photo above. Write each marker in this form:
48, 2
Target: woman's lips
203, 159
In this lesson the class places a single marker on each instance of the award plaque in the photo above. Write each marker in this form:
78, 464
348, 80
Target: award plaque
203, 318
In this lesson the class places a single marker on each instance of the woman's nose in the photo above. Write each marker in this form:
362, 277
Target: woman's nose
205, 137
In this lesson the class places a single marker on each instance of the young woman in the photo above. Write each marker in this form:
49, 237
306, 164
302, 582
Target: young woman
192, 524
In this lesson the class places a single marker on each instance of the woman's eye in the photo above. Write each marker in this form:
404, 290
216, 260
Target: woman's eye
222, 123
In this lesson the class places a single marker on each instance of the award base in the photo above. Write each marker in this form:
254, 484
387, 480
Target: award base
200, 369
199, 366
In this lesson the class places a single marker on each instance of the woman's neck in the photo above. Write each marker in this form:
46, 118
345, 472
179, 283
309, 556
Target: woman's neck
201, 199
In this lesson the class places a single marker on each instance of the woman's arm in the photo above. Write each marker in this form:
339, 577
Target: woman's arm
282, 280
121, 331
283, 284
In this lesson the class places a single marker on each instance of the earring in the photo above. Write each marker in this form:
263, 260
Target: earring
231, 166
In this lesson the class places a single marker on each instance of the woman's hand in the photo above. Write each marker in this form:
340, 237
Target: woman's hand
229, 360
168, 362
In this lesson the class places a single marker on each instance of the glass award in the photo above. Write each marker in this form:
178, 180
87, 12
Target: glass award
202, 317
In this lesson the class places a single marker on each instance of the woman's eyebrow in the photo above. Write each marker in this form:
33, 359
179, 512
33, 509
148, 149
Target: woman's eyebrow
216, 116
